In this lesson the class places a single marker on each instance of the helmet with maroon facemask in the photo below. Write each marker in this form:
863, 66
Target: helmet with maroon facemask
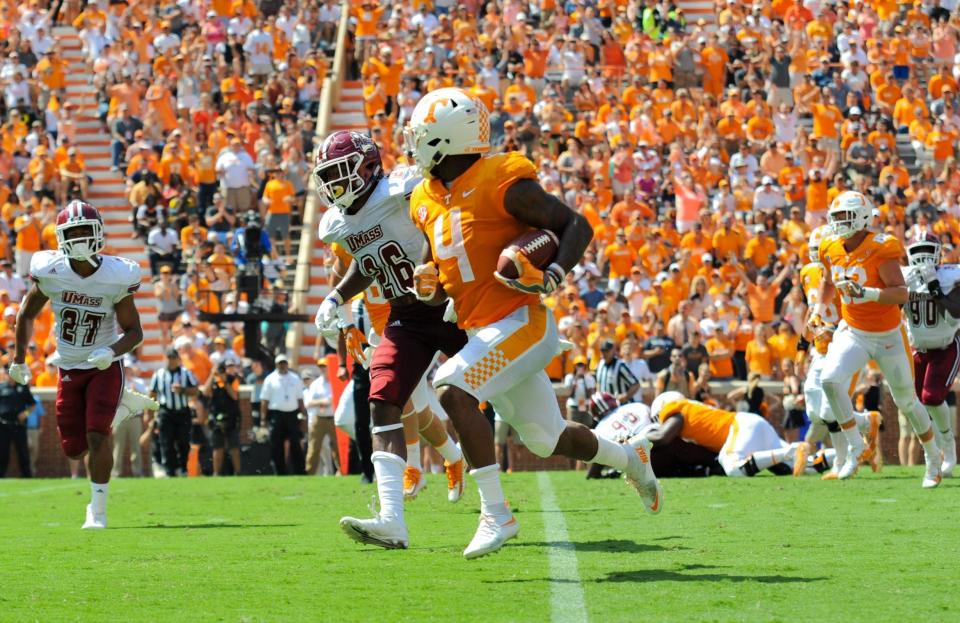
348, 166
79, 214
602, 403
924, 250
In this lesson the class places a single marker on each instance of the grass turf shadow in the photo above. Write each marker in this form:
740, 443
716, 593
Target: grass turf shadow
205, 526
666, 575
605, 545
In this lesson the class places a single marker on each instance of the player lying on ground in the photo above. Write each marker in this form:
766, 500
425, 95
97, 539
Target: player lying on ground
92, 297
932, 320
865, 268
470, 207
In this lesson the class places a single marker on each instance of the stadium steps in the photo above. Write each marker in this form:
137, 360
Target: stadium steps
347, 115
108, 191
695, 10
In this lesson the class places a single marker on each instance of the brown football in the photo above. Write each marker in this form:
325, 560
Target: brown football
538, 246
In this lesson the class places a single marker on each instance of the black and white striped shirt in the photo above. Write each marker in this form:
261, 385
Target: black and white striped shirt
162, 383
615, 377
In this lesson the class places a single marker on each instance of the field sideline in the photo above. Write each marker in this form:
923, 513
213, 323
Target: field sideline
877, 548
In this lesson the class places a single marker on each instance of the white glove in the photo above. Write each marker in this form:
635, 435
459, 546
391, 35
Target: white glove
450, 312
102, 358
914, 279
326, 319
928, 273
20, 373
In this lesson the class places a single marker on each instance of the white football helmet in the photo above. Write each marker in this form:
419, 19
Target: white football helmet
446, 122
662, 399
851, 212
924, 250
817, 236
80, 214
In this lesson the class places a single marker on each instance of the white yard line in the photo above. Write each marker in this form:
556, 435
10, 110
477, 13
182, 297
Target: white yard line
71, 485
566, 592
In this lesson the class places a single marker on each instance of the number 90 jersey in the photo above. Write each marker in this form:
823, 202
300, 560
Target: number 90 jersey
468, 227
932, 327
862, 265
380, 236
84, 306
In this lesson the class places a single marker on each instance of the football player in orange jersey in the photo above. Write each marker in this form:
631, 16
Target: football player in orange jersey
865, 268
470, 206
821, 417
745, 443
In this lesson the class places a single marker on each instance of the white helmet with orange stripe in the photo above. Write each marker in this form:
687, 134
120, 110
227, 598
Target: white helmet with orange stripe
446, 122
817, 236
661, 400
850, 213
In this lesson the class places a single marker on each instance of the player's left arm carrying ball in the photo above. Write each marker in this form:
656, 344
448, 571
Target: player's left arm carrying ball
527, 202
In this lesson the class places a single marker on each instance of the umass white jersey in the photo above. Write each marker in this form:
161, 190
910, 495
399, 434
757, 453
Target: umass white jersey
380, 236
625, 421
84, 306
930, 326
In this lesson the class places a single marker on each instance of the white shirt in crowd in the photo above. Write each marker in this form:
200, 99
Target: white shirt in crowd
226, 356
259, 47
319, 390
165, 242
282, 392
165, 41
13, 284
234, 168
582, 388
239, 26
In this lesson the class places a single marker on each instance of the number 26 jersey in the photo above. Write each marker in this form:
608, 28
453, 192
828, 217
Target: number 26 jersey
84, 306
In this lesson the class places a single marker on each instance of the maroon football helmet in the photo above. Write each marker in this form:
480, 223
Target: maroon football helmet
80, 214
602, 403
924, 249
348, 166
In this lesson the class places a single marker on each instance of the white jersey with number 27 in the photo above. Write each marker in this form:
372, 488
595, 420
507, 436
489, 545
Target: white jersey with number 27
929, 325
84, 306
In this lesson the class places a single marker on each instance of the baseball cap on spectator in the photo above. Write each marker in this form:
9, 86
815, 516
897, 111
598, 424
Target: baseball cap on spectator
766, 181
172, 353
281, 358
166, 269
675, 268
607, 345
579, 360
219, 340
855, 111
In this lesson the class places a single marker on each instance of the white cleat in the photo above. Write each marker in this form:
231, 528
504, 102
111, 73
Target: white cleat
95, 521
855, 456
949, 458
454, 480
386, 533
639, 475
932, 474
132, 404
492, 533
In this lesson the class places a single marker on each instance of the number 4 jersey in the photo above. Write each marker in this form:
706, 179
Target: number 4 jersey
932, 327
84, 306
381, 237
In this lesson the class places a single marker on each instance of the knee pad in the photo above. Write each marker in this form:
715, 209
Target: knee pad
833, 426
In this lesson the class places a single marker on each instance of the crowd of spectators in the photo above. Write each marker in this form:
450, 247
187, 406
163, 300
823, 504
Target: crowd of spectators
702, 154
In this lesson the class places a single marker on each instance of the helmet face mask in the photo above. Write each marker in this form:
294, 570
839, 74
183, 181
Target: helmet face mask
348, 165
849, 214
924, 251
79, 215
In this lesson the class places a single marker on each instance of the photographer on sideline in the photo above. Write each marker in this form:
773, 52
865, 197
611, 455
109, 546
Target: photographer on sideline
222, 393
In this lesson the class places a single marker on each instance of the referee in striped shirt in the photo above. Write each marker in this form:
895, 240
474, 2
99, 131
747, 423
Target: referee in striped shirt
172, 386
614, 376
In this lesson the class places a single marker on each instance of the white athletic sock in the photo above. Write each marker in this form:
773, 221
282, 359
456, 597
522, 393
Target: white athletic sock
612, 454
492, 501
941, 418
839, 442
863, 422
413, 455
931, 449
768, 458
389, 470
98, 497
450, 451
853, 438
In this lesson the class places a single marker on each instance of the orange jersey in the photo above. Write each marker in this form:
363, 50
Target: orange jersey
378, 309
811, 276
468, 227
863, 266
702, 424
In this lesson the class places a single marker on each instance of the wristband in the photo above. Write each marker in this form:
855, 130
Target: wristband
336, 296
871, 294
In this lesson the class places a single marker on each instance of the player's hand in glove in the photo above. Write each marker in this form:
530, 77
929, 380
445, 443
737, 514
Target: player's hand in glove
850, 289
355, 346
326, 319
20, 373
532, 280
426, 277
102, 358
450, 312
915, 279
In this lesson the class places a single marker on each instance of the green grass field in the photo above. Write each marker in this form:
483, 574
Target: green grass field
877, 548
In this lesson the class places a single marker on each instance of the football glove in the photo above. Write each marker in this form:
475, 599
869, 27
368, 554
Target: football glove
426, 277
102, 358
20, 373
532, 280
356, 346
326, 319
